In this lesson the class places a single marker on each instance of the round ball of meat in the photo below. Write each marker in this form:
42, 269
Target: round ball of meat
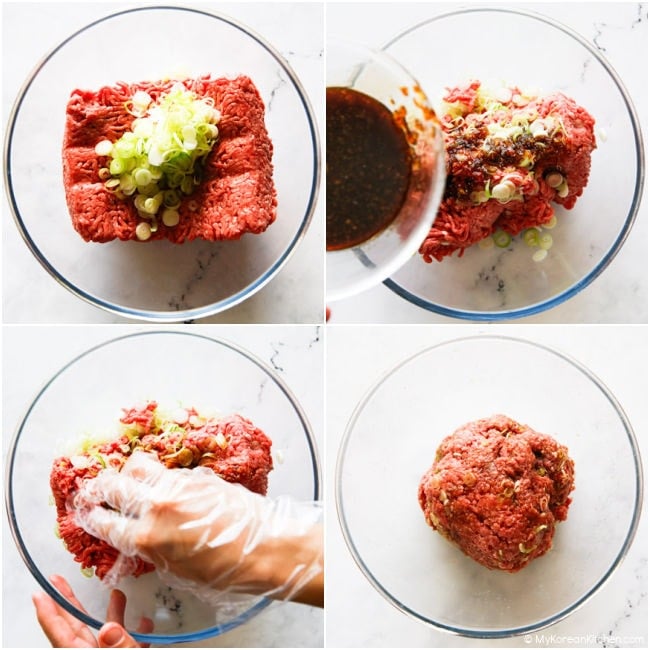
496, 489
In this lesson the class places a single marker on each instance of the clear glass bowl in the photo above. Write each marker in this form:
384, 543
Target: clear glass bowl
158, 281
352, 270
387, 448
531, 51
87, 395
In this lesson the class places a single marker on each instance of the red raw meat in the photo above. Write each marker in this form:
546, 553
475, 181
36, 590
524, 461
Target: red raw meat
236, 194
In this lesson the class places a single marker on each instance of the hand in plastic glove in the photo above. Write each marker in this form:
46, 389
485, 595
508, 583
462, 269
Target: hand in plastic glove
194, 525
65, 631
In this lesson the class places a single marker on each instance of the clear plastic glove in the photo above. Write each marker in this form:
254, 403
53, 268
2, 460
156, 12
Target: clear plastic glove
203, 532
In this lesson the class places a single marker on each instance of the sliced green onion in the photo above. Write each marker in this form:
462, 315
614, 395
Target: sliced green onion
170, 217
139, 202
551, 223
127, 183
125, 148
104, 148
88, 572
117, 167
486, 243
531, 237
563, 190
142, 176
502, 239
554, 179
160, 159
151, 205
171, 199
98, 457
504, 191
527, 160
538, 128
545, 241
143, 231
540, 255
479, 196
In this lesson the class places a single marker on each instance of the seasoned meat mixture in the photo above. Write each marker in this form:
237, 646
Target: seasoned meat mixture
509, 157
497, 489
231, 446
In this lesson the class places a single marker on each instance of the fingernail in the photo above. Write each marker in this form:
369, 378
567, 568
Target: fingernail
62, 585
112, 635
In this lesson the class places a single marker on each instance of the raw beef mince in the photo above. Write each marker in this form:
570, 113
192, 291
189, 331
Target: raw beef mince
231, 446
497, 490
509, 157
236, 194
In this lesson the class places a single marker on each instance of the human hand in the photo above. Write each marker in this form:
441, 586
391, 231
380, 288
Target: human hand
65, 631
196, 526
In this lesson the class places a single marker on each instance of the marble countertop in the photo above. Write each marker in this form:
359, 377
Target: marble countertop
357, 615
619, 31
295, 353
295, 294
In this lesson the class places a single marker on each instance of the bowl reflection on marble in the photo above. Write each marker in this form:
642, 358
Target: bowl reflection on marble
86, 396
515, 47
158, 281
386, 449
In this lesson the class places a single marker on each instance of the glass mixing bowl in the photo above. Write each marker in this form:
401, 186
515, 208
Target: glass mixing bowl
86, 396
387, 447
512, 46
158, 281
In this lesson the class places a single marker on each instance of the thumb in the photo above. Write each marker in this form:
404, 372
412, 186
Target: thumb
113, 635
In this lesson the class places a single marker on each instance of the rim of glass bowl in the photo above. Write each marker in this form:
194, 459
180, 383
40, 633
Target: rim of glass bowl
632, 213
18, 539
161, 316
550, 620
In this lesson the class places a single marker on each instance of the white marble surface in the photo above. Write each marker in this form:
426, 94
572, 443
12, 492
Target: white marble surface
30, 30
619, 30
357, 615
296, 353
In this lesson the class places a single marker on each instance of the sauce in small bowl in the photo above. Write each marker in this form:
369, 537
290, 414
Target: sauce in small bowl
385, 168
368, 167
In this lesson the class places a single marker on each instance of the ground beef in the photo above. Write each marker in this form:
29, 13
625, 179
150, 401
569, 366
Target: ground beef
230, 446
515, 138
236, 194
497, 489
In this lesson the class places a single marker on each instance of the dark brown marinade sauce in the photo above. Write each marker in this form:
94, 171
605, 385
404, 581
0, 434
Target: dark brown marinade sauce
368, 167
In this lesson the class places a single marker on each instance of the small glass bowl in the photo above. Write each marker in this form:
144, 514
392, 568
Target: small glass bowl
352, 270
